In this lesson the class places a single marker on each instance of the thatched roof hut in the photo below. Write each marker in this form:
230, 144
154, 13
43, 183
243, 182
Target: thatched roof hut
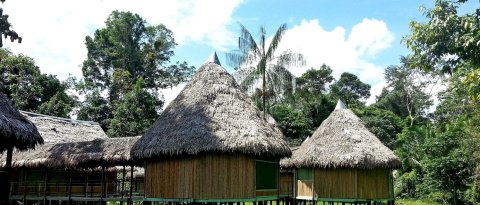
211, 144
15, 130
211, 114
342, 141
54, 131
342, 161
94, 153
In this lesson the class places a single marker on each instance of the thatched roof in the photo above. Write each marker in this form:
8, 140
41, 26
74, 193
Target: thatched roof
342, 141
211, 114
61, 130
15, 129
107, 151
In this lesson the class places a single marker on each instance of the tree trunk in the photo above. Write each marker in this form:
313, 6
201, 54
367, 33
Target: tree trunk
263, 95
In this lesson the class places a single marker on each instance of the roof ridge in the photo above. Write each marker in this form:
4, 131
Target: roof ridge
32, 114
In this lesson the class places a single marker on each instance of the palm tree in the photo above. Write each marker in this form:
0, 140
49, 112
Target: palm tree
259, 60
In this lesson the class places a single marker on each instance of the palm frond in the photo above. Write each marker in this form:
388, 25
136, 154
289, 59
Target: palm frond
235, 58
248, 82
262, 34
288, 58
276, 41
246, 43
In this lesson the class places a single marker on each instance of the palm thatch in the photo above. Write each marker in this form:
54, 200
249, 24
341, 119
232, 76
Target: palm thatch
61, 130
342, 141
211, 114
15, 130
98, 152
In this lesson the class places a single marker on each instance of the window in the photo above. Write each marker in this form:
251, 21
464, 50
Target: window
305, 174
267, 175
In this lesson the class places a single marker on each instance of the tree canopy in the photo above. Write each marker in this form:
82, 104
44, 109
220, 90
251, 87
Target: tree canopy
126, 52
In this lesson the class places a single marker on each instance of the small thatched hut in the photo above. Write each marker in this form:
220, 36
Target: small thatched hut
15, 132
343, 161
211, 144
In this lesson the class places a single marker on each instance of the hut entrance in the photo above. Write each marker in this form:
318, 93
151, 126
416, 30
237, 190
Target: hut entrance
305, 183
266, 180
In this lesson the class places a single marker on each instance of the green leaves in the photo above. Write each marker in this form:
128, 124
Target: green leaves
350, 90
127, 62
32, 91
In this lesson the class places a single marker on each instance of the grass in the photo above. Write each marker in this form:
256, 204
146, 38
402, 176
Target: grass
413, 202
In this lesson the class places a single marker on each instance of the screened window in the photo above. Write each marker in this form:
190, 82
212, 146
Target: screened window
267, 175
305, 174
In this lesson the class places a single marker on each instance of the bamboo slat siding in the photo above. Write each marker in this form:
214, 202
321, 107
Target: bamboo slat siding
352, 183
286, 184
304, 188
201, 177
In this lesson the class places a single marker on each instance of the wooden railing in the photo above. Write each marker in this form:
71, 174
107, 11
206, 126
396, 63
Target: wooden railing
91, 188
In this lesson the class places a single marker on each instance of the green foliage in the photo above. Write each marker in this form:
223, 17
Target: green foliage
293, 123
269, 66
382, 123
96, 108
404, 94
134, 113
350, 90
315, 80
5, 29
31, 90
119, 55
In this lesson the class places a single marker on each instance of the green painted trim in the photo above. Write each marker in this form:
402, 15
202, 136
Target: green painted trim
259, 198
267, 189
224, 200
167, 200
351, 200
271, 162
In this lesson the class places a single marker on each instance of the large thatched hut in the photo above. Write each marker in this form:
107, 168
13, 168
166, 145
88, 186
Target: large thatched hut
211, 144
78, 162
15, 132
343, 161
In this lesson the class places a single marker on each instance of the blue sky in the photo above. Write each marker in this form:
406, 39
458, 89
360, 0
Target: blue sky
362, 37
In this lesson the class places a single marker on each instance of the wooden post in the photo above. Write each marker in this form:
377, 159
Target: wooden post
131, 184
45, 187
25, 186
70, 187
86, 186
102, 184
123, 184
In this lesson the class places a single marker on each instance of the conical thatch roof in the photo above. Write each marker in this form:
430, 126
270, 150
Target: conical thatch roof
107, 151
342, 141
15, 130
211, 114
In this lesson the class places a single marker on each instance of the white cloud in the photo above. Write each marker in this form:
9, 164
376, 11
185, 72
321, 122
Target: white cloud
169, 94
53, 31
352, 53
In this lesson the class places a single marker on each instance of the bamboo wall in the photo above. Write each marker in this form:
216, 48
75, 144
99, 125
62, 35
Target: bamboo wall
304, 188
352, 183
286, 184
201, 177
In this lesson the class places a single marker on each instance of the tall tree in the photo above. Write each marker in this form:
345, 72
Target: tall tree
315, 80
126, 50
260, 60
350, 90
447, 42
135, 112
30, 90
407, 93
6, 30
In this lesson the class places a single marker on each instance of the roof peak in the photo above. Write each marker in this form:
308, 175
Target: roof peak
340, 105
213, 58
